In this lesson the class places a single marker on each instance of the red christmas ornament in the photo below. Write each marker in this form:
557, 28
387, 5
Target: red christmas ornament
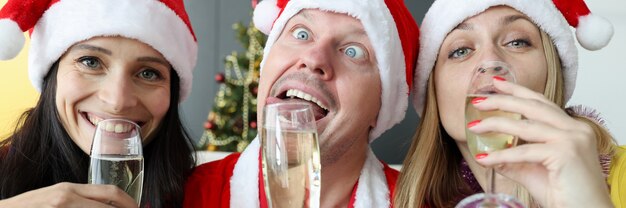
254, 3
220, 78
255, 91
253, 124
209, 125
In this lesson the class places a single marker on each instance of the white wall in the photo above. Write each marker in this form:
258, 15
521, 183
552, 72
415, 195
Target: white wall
601, 80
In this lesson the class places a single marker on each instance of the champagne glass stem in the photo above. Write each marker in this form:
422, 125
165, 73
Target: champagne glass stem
491, 183
490, 198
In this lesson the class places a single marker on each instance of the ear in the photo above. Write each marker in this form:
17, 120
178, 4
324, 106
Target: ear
373, 122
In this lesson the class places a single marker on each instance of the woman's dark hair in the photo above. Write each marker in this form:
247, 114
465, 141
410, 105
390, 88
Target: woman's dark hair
40, 153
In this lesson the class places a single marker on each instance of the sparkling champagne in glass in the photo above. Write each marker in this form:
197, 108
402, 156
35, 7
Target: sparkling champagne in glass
291, 157
116, 156
481, 85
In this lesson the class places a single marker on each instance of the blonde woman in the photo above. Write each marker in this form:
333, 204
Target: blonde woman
568, 158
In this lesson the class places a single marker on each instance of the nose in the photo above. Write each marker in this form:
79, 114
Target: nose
117, 93
492, 52
318, 59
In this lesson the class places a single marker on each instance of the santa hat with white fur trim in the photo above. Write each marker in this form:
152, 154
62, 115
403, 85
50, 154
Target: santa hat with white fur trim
391, 30
551, 16
58, 24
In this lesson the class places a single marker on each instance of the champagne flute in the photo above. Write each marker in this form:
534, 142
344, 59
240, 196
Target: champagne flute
481, 85
116, 156
291, 158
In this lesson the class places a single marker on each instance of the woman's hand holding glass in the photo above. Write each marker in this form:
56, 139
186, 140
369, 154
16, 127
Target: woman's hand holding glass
72, 195
559, 165
481, 87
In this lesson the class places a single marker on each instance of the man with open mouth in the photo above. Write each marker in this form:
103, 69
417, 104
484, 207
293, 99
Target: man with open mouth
350, 61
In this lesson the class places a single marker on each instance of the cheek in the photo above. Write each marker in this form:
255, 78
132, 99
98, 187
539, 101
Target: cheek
531, 70
365, 102
273, 68
451, 96
71, 92
157, 104
535, 78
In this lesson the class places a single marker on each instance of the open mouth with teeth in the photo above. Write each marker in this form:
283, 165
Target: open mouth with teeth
293, 95
113, 126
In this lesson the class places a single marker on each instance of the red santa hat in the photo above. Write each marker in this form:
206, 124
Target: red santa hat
391, 30
551, 16
58, 24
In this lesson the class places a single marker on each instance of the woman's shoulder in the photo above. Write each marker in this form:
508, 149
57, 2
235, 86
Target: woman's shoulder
617, 177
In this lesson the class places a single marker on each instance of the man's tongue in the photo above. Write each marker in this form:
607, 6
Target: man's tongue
318, 112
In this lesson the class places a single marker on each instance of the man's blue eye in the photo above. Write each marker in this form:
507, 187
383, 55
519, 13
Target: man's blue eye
354, 52
300, 34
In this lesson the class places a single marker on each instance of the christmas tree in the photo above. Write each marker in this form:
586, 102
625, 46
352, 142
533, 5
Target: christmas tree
231, 124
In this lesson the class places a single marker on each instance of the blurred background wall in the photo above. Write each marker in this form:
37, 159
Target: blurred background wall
601, 78
16, 92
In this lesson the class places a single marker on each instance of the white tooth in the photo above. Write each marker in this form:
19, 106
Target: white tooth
119, 128
307, 97
321, 105
290, 93
300, 94
110, 127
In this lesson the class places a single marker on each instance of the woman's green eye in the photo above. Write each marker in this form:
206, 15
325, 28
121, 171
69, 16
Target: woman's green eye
90, 62
149, 75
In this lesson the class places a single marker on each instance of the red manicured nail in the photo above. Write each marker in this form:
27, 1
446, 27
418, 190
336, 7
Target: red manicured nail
481, 155
499, 78
509, 145
478, 100
473, 123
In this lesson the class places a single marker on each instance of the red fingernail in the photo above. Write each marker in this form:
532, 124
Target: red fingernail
478, 100
499, 78
481, 155
473, 123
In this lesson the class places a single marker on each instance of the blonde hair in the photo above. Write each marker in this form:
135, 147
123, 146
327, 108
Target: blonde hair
431, 175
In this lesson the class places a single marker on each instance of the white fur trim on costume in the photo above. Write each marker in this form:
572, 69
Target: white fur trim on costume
372, 190
264, 15
244, 184
11, 39
594, 32
383, 35
444, 15
69, 22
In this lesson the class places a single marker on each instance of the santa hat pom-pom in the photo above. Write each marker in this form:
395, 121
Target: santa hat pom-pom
265, 14
594, 32
11, 39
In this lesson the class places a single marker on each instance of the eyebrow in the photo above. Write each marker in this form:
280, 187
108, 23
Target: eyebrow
154, 60
504, 21
512, 18
305, 15
464, 26
92, 48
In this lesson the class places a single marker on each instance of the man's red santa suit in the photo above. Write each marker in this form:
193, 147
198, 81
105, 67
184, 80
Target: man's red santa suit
235, 181
226, 183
